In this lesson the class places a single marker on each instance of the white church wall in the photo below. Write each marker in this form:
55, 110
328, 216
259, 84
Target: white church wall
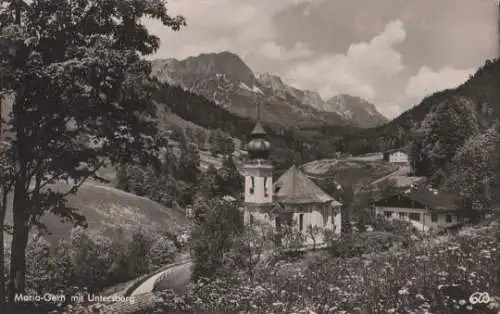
257, 217
255, 193
337, 221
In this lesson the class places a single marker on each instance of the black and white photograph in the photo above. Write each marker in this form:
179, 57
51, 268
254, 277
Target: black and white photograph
250, 156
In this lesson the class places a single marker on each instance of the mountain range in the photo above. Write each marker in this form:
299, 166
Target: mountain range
227, 81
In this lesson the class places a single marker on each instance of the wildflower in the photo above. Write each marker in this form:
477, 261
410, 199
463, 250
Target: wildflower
403, 291
493, 305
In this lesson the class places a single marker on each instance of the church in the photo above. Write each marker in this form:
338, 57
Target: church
292, 198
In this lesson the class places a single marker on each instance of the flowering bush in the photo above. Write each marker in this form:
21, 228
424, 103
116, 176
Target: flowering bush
429, 277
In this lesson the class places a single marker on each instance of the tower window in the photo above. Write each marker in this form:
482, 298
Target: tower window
265, 187
252, 187
301, 222
251, 219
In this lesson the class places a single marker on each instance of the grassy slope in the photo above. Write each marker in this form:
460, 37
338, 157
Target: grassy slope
106, 208
349, 172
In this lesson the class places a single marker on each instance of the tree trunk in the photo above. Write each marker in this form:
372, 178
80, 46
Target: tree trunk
19, 242
3, 210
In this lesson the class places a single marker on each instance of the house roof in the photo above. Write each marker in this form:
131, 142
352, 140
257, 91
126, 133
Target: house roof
432, 199
294, 187
395, 150
405, 149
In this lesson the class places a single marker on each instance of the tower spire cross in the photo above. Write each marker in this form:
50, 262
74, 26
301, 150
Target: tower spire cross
258, 111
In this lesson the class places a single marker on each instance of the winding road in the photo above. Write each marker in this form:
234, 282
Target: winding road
175, 278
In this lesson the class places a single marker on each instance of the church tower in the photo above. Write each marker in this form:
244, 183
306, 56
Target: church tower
258, 172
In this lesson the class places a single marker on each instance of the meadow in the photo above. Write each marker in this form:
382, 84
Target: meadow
435, 275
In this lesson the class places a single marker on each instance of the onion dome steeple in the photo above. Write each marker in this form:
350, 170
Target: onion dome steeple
258, 147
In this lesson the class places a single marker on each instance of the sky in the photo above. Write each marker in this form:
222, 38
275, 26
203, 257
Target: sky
392, 53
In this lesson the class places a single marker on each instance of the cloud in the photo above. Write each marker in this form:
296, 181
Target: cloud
427, 81
215, 25
459, 33
273, 51
389, 109
358, 70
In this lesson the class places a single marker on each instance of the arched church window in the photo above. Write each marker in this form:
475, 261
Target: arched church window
277, 188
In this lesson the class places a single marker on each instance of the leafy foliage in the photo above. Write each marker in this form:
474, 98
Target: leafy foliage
229, 179
161, 252
173, 182
214, 236
93, 261
251, 248
475, 169
84, 58
443, 131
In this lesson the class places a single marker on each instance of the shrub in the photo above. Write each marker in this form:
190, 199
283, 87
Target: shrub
357, 244
161, 253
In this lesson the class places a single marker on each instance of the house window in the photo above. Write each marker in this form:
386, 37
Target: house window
402, 215
434, 217
277, 222
301, 222
449, 219
251, 219
388, 214
415, 216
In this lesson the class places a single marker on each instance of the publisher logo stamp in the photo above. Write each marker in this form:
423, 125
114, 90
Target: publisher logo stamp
479, 298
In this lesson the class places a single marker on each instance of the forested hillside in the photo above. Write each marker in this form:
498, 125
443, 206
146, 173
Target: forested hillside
454, 135
289, 145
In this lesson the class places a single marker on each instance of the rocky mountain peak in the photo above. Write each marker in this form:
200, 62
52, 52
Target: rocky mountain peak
213, 64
